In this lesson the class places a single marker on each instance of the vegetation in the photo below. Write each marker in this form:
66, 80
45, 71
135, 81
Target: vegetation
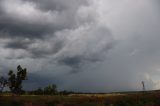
50, 96
3, 83
112, 99
49, 90
15, 80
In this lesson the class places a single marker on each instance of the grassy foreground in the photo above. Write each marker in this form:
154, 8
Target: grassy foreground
151, 98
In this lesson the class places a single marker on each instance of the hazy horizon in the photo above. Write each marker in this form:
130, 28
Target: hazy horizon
82, 45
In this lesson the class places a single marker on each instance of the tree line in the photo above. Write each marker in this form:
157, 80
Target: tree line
14, 83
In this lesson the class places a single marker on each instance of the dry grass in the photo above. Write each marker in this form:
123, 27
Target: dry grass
98, 95
112, 99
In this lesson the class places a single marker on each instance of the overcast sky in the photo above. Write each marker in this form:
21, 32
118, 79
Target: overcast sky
82, 45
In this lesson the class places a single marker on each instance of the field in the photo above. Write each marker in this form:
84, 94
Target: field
151, 98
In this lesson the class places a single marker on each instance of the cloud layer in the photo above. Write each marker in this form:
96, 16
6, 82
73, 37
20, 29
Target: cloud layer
82, 45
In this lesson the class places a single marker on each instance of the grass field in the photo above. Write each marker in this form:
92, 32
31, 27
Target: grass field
151, 98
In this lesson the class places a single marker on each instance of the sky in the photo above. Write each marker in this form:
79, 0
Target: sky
82, 45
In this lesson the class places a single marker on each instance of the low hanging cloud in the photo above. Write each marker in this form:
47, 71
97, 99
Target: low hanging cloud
87, 43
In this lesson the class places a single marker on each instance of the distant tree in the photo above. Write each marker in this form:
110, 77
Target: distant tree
64, 92
15, 80
3, 83
12, 81
51, 89
39, 91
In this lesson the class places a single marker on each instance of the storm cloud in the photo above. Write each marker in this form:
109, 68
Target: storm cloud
82, 45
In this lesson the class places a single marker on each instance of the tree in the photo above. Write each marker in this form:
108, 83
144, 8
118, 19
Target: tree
39, 91
51, 89
3, 83
15, 80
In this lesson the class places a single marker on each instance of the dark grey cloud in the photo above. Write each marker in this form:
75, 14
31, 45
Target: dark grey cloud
39, 21
11, 28
59, 5
72, 61
44, 30
19, 43
88, 49
109, 45
27, 19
